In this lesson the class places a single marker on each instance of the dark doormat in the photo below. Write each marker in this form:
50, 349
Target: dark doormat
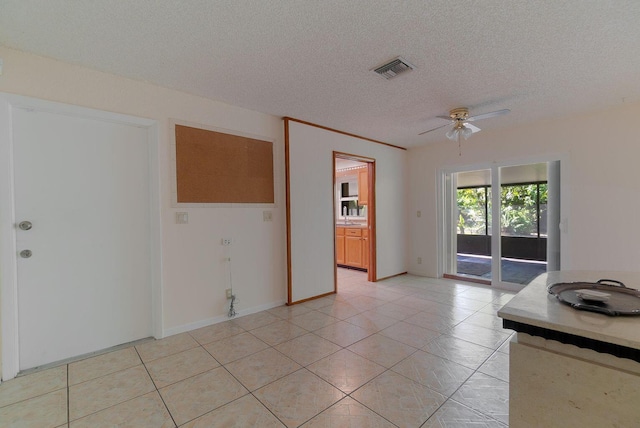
472, 268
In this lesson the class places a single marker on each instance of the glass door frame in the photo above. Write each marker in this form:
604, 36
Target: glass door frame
447, 197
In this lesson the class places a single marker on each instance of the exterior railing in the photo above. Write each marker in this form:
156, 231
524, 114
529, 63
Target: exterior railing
513, 247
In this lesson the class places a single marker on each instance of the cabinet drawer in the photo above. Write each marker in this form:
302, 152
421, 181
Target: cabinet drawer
353, 232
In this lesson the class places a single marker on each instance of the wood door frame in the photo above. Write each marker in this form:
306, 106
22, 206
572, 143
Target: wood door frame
8, 251
371, 212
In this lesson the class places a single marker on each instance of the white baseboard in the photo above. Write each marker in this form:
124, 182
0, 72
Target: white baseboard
221, 318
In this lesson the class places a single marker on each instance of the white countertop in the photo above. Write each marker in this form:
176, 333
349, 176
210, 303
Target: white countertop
535, 306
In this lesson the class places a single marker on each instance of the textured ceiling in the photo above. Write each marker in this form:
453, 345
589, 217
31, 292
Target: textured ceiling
311, 59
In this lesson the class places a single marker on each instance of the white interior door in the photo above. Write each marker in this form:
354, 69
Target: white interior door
83, 183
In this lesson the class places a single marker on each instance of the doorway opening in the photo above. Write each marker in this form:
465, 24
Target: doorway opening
518, 201
354, 213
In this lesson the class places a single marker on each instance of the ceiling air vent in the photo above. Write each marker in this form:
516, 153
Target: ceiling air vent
393, 68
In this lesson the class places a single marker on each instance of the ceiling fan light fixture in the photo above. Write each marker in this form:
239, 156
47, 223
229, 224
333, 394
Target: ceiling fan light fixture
465, 131
459, 130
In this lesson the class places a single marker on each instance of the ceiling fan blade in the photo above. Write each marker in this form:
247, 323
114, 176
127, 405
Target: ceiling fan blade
488, 115
473, 128
433, 129
444, 117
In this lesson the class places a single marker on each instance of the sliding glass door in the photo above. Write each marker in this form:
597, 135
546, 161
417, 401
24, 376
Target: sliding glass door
473, 224
496, 226
523, 222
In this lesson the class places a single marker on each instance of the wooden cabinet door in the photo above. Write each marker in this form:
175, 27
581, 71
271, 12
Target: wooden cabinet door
340, 250
363, 186
353, 250
365, 249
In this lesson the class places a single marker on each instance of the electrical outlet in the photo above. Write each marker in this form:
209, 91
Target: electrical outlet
267, 216
419, 260
229, 293
226, 241
419, 213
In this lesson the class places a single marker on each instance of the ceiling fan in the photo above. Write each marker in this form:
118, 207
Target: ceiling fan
460, 119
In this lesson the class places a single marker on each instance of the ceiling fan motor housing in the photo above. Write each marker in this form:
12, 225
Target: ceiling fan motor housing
459, 114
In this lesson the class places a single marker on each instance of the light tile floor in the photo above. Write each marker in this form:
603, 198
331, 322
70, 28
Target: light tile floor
405, 352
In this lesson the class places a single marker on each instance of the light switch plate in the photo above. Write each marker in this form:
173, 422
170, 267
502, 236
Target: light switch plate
182, 218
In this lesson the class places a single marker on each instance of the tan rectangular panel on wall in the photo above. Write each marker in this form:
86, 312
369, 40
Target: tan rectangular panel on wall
214, 167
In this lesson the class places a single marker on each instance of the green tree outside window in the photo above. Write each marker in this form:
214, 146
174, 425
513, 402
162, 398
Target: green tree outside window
523, 211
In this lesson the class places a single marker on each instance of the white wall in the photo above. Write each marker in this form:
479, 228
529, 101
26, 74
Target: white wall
194, 275
312, 219
602, 150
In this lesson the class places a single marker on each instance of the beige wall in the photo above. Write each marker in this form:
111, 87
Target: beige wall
602, 184
194, 274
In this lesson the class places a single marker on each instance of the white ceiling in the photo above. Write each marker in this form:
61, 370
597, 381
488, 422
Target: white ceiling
311, 59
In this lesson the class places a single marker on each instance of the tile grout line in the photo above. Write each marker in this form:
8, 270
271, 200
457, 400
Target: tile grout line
470, 376
250, 392
220, 366
270, 411
41, 394
156, 387
363, 404
125, 401
390, 369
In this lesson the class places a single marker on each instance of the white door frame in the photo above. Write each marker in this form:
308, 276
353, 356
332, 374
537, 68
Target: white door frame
8, 250
494, 167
